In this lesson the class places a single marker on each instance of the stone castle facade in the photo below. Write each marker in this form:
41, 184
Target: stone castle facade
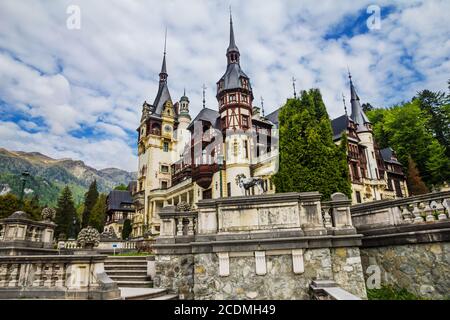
183, 160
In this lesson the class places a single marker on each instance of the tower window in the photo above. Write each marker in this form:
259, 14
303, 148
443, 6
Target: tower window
232, 98
244, 98
166, 147
164, 169
163, 184
245, 121
246, 148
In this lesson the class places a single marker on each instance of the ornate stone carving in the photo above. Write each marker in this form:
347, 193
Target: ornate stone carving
183, 206
88, 238
48, 214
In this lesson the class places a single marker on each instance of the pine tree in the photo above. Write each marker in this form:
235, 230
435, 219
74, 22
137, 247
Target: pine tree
309, 159
98, 214
65, 215
9, 203
415, 184
33, 208
90, 198
127, 228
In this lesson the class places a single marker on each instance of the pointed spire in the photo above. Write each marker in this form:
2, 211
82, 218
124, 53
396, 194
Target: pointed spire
345, 106
204, 94
293, 85
163, 73
358, 114
232, 51
353, 95
262, 106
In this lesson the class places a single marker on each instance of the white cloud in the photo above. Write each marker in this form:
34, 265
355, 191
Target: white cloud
99, 76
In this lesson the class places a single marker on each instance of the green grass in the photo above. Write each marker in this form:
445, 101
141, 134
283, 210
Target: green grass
391, 293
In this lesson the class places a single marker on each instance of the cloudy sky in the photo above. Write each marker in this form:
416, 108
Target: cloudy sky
78, 92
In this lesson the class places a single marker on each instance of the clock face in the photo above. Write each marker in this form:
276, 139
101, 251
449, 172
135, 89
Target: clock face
168, 128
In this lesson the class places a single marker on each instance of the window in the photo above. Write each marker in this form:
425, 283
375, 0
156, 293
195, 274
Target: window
164, 169
166, 147
358, 196
244, 98
245, 121
163, 184
229, 189
232, 98
246, 149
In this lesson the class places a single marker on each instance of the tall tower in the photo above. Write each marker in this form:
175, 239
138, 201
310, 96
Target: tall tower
365, 134
235, 97
183, 135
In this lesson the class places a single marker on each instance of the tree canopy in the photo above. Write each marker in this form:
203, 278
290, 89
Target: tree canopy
417, 130
90, 198
66, 215
309, 159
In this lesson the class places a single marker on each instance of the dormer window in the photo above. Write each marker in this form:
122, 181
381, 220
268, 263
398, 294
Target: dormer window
245, 121
244, 83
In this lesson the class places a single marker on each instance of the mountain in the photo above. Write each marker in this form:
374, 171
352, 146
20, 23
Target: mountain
48, 176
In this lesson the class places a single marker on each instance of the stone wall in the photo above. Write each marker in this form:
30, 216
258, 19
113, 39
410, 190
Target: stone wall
260, 247
423, 269
348, 271
197, 276
175, 273
406, 243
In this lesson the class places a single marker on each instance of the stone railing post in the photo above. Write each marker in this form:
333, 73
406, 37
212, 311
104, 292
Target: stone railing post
180, 226
340, 210
207, 220
190, 230
168, 228
311, 220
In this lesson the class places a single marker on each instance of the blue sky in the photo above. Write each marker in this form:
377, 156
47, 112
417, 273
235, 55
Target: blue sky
78, 93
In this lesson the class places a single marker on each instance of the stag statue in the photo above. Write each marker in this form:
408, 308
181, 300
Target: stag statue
246, 183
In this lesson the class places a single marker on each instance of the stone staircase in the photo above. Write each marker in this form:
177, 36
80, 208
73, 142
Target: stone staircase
130, 274
146, 294
128, 271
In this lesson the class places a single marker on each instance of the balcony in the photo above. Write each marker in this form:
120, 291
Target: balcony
202, 174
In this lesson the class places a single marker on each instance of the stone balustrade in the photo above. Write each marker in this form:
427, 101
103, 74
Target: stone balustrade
429, 208
406, 242
55, 277
21, 235
177, 223
258, 247
103, 245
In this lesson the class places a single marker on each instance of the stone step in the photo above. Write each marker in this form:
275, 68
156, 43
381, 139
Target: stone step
127, 272
134, 284
166, 297
125, 267
132, 293
129, 278
118, 258
125, 262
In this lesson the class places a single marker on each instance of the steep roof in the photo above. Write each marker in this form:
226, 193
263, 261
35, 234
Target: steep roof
358, 114
339, 125
388, 155
161, 98
118, 198
232, 77
273, 117
209, 115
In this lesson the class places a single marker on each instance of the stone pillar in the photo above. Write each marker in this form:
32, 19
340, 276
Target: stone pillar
311, 214
207, 220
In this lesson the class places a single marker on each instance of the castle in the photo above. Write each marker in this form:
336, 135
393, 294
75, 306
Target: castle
182, 161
